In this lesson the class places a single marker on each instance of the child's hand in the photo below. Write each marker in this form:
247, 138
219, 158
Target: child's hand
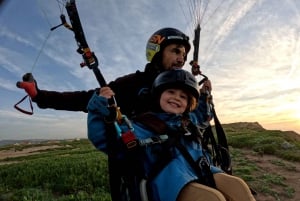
206, 87
106, 92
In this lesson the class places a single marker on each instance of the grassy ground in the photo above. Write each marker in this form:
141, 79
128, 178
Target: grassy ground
74, 170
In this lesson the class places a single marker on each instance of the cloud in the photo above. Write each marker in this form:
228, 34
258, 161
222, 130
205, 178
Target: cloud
7, 84
42, 126
6, 60
8, 34
250, 53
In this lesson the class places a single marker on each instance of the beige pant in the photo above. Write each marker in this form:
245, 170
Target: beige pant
229, 188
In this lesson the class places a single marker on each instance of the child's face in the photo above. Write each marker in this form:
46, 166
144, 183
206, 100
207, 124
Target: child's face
173, 101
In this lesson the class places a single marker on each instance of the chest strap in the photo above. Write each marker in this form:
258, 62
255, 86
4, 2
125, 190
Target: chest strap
153, 140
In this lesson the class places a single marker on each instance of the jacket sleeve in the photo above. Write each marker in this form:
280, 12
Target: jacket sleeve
97, 110
69, 101
126, 88
203, 111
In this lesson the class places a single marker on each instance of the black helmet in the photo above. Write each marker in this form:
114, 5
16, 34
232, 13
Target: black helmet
161, 38
177, 78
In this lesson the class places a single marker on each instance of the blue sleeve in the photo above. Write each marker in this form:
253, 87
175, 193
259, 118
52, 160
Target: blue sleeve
203, 111
97, 110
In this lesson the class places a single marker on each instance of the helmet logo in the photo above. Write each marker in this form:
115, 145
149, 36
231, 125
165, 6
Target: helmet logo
157, 39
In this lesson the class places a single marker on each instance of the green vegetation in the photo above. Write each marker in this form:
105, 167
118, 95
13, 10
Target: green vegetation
261, 180
261, 142
75, 170
278, 143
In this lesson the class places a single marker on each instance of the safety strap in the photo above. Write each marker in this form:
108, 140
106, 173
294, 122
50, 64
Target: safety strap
128, 137
130, 141
222, 149
153, 140
220, 153
201, 167
222, 140
152, 122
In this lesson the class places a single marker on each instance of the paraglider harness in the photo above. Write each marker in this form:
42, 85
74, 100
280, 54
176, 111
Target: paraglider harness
126, 176
129, 183
134, 184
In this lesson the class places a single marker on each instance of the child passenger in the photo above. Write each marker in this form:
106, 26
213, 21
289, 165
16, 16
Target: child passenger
170, 160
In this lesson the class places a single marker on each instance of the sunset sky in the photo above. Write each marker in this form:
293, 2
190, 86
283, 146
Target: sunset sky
249, 49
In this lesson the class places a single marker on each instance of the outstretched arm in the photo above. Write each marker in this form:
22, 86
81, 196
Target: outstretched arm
70, 101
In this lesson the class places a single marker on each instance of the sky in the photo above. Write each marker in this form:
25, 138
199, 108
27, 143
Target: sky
249, 49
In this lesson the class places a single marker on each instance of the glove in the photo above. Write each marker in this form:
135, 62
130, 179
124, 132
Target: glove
29, 85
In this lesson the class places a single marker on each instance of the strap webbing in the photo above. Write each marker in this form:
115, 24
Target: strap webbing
202, 168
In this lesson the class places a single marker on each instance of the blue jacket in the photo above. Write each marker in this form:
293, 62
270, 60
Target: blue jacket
173, 177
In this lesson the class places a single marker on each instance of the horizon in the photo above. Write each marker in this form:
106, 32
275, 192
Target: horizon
76, 138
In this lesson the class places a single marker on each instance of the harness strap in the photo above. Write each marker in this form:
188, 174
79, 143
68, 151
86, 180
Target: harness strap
114, 163
202, 168
152, 122
220, 131
143, 190
129, 139
169, 139
222, 148
153, 140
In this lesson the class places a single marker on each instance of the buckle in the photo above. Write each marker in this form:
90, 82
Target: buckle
129, 139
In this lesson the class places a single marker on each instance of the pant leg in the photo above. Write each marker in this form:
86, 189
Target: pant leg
198, 192
233, 188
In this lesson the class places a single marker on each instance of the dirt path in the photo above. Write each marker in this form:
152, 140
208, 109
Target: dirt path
273, 165
13, 153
